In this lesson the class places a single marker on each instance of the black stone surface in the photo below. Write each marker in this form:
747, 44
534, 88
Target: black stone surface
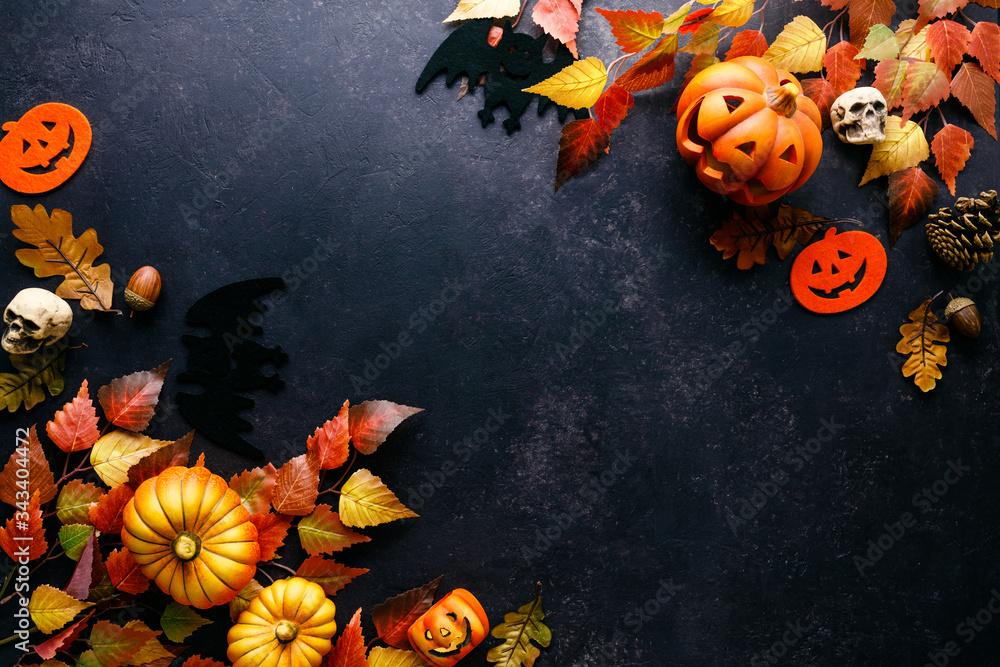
644, 384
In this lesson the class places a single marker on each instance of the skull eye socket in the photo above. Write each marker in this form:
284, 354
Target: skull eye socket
8, 316
857, 107
878, 106
31, 327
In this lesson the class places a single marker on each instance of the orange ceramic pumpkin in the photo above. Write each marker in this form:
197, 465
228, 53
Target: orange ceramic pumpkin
449, 630
289, 624
189, 533
838, 272
44, 148
747, 129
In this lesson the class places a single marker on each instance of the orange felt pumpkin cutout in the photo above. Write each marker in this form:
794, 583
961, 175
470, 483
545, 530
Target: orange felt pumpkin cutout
44, 148
839, 272
748, 131
448, 631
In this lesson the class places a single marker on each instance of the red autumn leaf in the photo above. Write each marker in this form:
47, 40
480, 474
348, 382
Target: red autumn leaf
176, 453
925, 86
655, 68
952, 146
911, 192
823, 94
394, 616
371, 422
984, 46
948, 42
835, 5
992, 4
28, 455
297, 486
271, 532
20, 537
125, 573
130, 401
612, 107
322, 532
106, 513
866, 13
255, 488
560, 19
350, 648
582, 143
48, 649
83, 574
633, 30
330, 441
114, 645
890, 75
329, 574
974, 88
101, 587
747, 43
74, 428
937, 9
694, 20
842, 70
198, 661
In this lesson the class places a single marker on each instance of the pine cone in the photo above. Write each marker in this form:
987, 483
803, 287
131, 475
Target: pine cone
966, 237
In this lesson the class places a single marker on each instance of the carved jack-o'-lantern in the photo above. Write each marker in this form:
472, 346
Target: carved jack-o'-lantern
44, 148
449, 630
839, 272
748, 131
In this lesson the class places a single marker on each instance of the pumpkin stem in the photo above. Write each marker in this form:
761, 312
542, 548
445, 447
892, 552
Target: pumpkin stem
186, 546
783, 99
286, 631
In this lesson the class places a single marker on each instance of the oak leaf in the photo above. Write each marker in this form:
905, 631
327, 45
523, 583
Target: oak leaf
107, 514
581, 144
654, 69
890, 75
297, 486
483, 9
329, 574
243, 599
58, 253
947, 41
799, 47
747, 43
911, 193
255, 488
843, 69
633, 30
560, 19
48, 649
394, 616
925, 86
322, 532
393, 657
751, 237
115, 645
73, 539
823, 95
952, 146
349, 650
577, 85
733, 13
176, 453
129, 402
34, 372
974, 88
113, 454
125, 573
612, 107
30, 457
519, 629
366, 501
271, 532
75, 499
51, 609
179, 621
904, 147
984, 46
863, 14
922, 338
18, 532
880, 44
74, 427
330, 441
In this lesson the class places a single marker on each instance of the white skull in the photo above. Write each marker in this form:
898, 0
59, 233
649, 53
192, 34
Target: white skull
35, 317
858, 116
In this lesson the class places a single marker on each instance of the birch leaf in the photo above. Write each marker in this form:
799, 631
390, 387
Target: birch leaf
365, 501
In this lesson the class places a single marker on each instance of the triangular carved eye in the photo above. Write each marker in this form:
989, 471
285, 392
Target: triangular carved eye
842, 254
747, 149
49, 125
733, 103
817, 268
789, 155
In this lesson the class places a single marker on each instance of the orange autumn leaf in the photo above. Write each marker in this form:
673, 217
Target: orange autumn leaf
114, 645
925, 86
693, 21
750, 238
271, 532
20, 538
984, 46
823, 95
974, 89
28, 455
329, 574
654, 69
74, 428
255, 488
842, 70
371, 422
835, 5
330, 441
199, 661
863, 14
938, 9
172, 454
911, 193
322, 532
106, 513
952, 146
747, 43
560, 19
58, 253
297, 486
890, 75
948, 42
633, 30
129, 402
350, 648
612, 107
125, 573
922, 338
395, 616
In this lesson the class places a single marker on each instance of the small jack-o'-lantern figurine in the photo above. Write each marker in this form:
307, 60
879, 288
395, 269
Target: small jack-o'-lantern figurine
838, 272
44, 148
448, 631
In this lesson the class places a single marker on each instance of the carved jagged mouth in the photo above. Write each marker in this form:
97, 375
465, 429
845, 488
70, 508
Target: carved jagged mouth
444, 653
844, 289
53, 164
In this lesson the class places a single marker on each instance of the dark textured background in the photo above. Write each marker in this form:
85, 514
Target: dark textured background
235, 138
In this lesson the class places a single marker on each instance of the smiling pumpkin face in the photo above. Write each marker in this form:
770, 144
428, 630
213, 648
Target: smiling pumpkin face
449, 630
838, 272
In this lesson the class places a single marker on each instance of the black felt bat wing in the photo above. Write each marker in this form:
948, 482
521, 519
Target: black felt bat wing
465, 51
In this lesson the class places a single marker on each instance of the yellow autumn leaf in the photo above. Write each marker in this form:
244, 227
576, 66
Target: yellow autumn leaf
673, 23
576, 86
904, 147
910, 45
118, 451
799, 48
733, 13
152, 650
922, 338
394, 657
51, 609
484, 9
366, 501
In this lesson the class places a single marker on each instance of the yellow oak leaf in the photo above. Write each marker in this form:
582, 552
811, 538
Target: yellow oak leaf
576, 86
51, 609
483, 9
118, 451
905, 146
799, 48
366, 501
921, 338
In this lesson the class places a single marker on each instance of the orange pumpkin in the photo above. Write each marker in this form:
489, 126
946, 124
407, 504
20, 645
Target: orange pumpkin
747, 129
44, 148
448, 631
189, 533
289, 624
838, 272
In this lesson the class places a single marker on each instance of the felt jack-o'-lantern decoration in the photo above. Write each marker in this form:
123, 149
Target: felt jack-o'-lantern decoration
44, 148
448, 631
188, 532
748, 131
838, 272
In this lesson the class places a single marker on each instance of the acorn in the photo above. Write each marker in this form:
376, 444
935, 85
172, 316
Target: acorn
143, 289
964, 316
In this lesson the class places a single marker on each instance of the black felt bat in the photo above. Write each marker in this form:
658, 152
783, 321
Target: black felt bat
227, 363
514, 64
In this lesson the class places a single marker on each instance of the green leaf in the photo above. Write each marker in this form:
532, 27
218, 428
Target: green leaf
519, 629
75, 498
179, 621
34, 372
880, 44
73, 538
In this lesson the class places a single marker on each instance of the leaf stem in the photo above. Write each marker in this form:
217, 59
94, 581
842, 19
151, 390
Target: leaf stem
76, 269
13, 637
283, 567
6, 583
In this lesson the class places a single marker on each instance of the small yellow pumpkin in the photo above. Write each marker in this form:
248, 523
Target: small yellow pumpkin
289, 624
188, 532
